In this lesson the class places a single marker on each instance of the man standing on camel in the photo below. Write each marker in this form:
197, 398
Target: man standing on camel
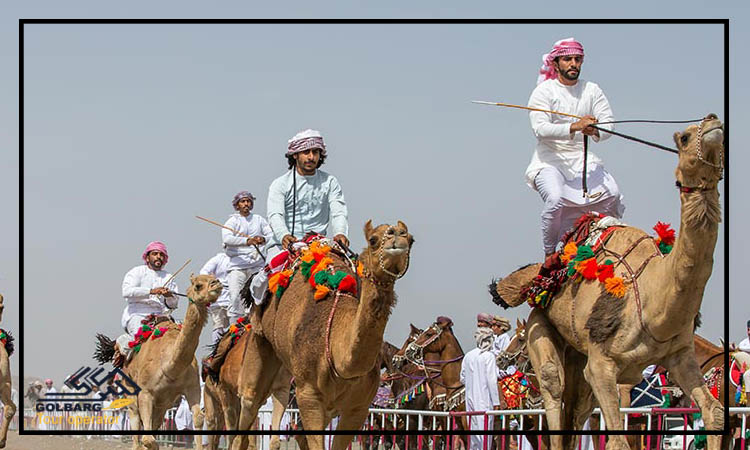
303, 200
146, 291
245, 258
557, 165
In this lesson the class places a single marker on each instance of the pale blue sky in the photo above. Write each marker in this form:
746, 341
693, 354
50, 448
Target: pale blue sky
131, 130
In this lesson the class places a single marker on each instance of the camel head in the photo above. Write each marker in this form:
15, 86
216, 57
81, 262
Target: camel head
701, 153
388, 248
204, 289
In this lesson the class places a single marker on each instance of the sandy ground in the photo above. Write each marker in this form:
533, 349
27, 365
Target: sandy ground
16, 442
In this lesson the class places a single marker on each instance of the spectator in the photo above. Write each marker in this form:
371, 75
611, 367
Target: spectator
479, 375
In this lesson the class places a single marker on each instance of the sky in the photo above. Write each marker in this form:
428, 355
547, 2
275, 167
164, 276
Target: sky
132, 130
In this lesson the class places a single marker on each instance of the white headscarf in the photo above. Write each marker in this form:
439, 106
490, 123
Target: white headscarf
484, 338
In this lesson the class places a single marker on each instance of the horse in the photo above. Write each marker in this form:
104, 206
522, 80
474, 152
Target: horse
437, 354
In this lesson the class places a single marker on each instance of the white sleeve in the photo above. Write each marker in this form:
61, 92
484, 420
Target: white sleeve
171, 302
337, 204
210, 267
131, 285
491, 374
230, 239
265, 229
462, 375
541, 122
275, 208
603, 113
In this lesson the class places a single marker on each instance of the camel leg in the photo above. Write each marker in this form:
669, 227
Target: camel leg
212, 416
280, 394
601, 373
193, 396
350, 420
8, 411
684, 369
135, 424
546, 353
313, 415
146, 412
259, 369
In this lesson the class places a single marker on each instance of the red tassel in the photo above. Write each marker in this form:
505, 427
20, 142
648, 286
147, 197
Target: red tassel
589, 269
348, 284
605, 271
665, 232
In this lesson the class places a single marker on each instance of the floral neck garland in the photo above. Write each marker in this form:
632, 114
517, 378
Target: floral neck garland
317, 268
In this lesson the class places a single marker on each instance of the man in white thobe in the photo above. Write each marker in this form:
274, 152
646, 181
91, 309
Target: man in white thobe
556, 167
218, 266
303, 200
500, 327
242, 246
146, 292
743, 359
479, 375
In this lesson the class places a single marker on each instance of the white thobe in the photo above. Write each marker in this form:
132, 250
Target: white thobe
745, 345
241, 255
136, 288
501, 342
556, 166
218, 266
320, 202
479, 375
183, 418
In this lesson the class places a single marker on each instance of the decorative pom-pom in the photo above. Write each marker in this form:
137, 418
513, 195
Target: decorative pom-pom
665, 232
615, 286
569, 252
348, 284
588, 268
605, 271
321, 291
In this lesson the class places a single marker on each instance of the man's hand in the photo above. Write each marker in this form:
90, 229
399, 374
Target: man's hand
287, 241
257, 240
341, 239
583, 126
161, 291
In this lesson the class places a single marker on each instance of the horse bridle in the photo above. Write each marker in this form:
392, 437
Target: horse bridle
414, 353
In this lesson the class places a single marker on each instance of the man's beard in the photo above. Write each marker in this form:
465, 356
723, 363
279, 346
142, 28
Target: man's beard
570, 77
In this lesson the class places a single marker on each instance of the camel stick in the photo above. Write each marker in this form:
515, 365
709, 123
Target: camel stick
526, 107
233, 231
178, 271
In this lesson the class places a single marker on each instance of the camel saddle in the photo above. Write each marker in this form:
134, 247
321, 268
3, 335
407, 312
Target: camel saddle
148, 324
211, 365
529, 281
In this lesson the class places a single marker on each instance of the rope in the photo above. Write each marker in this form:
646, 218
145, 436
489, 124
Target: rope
635, 139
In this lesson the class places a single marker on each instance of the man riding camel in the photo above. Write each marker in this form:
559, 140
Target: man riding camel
557, 165
303, 200
146, 292
245, 258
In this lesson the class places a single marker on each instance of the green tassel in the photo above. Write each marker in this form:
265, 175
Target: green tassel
571, 268
664, 248
335, 279
137, 348
608, 262
306, 268
321, 277
584, 253
279, 291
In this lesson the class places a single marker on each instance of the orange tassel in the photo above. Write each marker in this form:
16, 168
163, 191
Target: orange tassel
569, 252
321, 291
273, 282
615, 286
307, 256
323, 264
360, 269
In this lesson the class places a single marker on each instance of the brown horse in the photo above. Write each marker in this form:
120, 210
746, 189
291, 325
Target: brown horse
437, 353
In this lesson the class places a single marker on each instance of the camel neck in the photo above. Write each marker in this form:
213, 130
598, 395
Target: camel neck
690, 263
187, 341
354, 355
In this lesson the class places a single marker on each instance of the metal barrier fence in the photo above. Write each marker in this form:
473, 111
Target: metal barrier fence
392, 419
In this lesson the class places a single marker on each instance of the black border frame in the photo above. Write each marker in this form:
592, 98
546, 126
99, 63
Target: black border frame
23, 22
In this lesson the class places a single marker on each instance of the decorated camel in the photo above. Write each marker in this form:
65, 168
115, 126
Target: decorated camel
329, 336
222, 404
165, 366
9, 408
611, 331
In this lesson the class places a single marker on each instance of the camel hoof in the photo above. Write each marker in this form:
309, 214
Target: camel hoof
2, 443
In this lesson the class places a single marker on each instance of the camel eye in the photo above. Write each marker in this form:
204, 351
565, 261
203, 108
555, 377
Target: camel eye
684, 139
373, 240
199, 286
391, 231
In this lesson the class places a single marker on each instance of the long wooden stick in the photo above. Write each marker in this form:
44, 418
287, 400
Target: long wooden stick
527, 108
178, 271
233, 231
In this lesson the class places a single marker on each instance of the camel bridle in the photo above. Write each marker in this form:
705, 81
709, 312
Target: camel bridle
381, 263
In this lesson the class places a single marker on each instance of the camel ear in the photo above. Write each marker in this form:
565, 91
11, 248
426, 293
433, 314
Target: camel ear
676, 137
518, 323
413, 328
368, 228
192, 275
402, 224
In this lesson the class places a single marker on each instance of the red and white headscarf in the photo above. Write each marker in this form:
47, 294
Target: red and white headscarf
305, 140
564, 47
157, 246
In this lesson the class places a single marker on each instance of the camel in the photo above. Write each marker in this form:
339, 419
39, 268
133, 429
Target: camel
222, 404
165, 368
611, 340
9, 408
332, 351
